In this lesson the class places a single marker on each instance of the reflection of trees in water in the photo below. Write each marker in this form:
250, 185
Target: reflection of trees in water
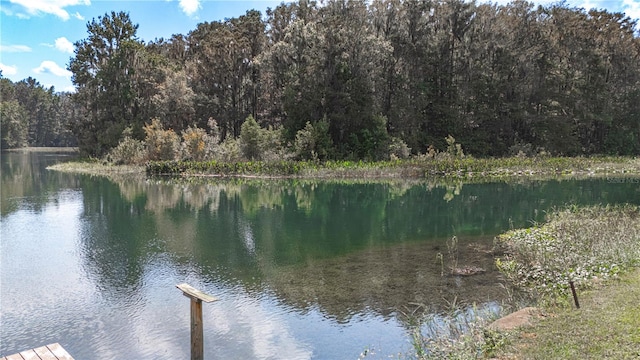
23, 176
115, 237
341, 246
163, 195
204, 193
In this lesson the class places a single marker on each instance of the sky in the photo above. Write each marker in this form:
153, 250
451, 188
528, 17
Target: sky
37, 36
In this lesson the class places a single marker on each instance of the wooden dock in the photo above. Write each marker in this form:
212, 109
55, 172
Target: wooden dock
48, 352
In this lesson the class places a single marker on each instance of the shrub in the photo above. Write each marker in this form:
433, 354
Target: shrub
454, 150
228, 151
250, 139
196, 144
128, 152
257, 143
271, 145
161, 144
398, 149
313, 142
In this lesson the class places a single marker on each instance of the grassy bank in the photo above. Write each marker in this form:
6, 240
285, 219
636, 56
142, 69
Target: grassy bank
607, 326
598, 249
90, 167
460, 168
581, 245
465, 169
56, 150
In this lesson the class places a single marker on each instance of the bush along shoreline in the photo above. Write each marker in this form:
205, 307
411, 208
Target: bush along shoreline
583, 245
596, 248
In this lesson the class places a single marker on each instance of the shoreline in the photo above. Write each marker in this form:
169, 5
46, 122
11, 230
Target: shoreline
616, 169
49, 149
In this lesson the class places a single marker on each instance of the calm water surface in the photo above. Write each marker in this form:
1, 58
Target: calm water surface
303, 270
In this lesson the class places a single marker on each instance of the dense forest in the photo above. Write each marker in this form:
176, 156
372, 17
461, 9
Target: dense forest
350, 80
32, 115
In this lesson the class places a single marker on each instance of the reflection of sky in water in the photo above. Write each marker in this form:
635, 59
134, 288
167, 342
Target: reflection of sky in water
48, 296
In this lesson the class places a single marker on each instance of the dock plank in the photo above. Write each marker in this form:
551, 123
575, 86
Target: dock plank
59, 352
29, 355
48, 352
44, 353
13, 357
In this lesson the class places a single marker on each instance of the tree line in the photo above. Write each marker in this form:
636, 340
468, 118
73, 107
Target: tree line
33, 115
361, 79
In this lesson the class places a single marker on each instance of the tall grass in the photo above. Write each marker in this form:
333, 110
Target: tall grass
582, 245
459, 333
418, 167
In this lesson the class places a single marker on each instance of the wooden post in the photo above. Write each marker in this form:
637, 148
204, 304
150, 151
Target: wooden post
197, 333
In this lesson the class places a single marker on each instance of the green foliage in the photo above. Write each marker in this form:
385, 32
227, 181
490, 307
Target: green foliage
372, 80
398, 149
454, 150
174, 101
313, 142
373, 141
273, 168
229, 151
222, 69
34, 115
460, 333
106, 71
257, 143
251, 137
271, 145
13, 125
161, 144
128, 152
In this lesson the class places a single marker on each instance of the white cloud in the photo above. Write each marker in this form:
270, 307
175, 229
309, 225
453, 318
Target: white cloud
631, 8
14, 48
54, 7
8, 69
190, 6
50, 67
64, 45
588, 5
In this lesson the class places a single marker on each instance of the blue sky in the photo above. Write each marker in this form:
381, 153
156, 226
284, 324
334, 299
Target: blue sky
37, 36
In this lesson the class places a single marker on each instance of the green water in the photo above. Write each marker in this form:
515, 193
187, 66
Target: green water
303, 269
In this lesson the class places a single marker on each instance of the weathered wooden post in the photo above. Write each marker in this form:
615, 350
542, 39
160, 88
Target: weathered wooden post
197, 333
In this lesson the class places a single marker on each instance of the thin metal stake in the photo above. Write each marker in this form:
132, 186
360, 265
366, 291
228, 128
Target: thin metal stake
575, 295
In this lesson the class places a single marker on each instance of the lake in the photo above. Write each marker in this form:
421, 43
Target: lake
302, 269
